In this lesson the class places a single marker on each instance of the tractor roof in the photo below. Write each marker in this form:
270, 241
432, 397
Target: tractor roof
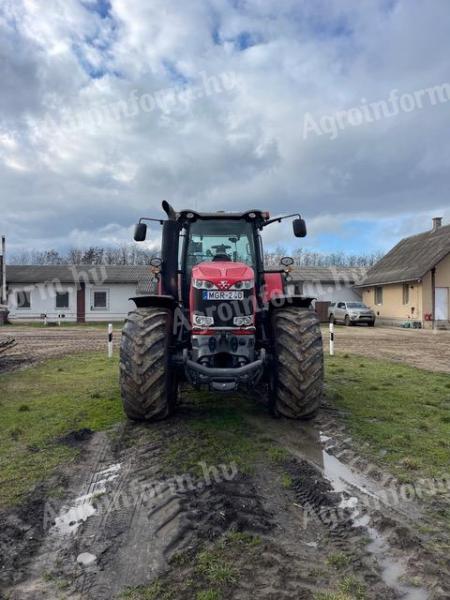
248, 215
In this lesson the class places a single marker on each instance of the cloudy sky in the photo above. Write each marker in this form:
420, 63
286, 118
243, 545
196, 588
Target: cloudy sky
109, 106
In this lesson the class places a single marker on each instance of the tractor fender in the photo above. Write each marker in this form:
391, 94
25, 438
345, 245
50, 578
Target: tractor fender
155, 300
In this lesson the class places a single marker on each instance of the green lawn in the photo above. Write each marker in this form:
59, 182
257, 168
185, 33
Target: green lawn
403, 412
41, 404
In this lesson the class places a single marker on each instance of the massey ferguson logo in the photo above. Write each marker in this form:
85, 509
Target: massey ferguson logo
223, 285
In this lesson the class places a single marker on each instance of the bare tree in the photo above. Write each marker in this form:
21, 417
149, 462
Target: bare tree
132, 254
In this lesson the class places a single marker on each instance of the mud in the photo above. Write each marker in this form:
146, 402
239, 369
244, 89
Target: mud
128, 520
74, 438
370, 500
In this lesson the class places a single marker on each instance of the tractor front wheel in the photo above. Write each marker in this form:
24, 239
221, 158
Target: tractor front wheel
148, 385
298, 374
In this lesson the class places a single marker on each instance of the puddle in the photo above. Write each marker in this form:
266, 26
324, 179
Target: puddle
393, 568
307, 443
344, 480
71, 517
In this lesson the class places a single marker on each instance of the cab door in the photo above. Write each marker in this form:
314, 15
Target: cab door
340, 311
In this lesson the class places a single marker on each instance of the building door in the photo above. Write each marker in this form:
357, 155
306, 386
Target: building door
322, 311
81, 303
442, 304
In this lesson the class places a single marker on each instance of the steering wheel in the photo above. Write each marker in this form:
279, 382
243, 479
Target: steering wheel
221, 248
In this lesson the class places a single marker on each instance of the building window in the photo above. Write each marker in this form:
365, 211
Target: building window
23, 299
378, 296
100, 300
406, 294
62, 300
298, 288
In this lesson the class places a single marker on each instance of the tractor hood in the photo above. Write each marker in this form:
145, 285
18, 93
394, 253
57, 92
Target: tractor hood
231, 272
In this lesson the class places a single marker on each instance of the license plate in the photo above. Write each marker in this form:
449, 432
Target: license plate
216, 295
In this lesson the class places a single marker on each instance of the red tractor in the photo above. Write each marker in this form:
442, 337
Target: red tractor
219, 320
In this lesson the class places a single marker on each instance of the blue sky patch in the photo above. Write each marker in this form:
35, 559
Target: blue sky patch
101, 7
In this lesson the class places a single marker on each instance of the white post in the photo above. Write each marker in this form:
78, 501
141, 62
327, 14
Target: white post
59, 320
110, 340
331, 339
3, 299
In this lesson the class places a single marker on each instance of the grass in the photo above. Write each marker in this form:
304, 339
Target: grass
349, 589
339, 560
216, 570
286, 481
401, 411
42, 404
214, 433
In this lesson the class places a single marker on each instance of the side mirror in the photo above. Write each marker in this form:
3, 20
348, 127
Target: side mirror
140, 232
299, 227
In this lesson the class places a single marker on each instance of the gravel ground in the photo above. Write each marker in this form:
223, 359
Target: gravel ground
34, 344
419, 348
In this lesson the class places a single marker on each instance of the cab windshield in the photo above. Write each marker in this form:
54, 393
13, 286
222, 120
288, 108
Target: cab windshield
356, 305
210, 240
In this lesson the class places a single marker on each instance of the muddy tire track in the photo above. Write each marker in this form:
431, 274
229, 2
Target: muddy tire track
142, 517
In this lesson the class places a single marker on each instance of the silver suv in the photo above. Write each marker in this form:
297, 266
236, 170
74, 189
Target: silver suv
351, 313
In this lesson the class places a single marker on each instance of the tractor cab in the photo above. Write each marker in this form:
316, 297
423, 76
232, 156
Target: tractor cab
219, 253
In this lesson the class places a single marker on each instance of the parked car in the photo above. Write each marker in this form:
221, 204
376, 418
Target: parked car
351, 313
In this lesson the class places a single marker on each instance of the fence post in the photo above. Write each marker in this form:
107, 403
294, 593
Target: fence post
331, 339
110, 340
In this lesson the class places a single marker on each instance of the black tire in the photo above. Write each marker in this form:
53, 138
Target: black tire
347, 321
147, 382
298, 372
371, 323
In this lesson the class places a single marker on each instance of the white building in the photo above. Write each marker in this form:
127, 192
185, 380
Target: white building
72, 293
329, 284
101, 293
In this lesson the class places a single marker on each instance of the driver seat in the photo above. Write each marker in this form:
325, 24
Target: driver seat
221, 257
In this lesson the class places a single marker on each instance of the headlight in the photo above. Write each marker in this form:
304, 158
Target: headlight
242, 321
202, 321
243, 285
354, 315
201, 284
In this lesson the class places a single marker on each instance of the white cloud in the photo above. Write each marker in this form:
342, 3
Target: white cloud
238, 149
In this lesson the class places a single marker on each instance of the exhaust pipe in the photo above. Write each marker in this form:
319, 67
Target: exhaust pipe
169, 252
169, 210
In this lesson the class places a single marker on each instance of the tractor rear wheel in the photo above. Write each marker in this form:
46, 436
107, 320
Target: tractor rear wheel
147, 381
298, 363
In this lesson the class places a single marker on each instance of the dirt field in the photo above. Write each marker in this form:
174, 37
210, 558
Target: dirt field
35, 344
422, 349
418, 348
